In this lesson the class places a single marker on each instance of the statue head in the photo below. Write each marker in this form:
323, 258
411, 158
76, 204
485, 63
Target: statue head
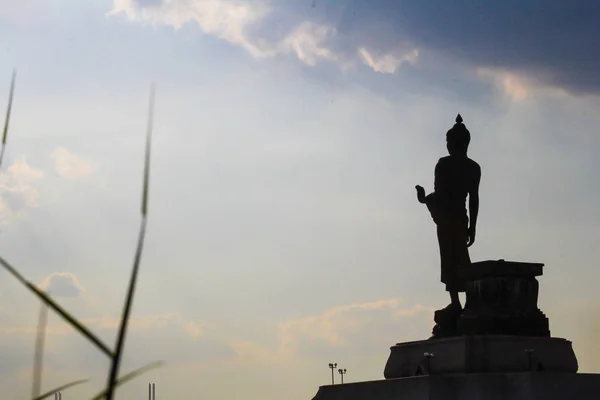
458, 138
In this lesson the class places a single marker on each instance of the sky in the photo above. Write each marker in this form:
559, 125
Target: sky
284, 231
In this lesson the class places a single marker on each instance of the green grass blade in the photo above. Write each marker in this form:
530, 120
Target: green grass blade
9, 107
129, 376
53, 305
114, 370
147, 155
38, 357
8, 110
60, 389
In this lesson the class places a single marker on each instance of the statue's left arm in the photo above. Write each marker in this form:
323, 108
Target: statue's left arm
474, 205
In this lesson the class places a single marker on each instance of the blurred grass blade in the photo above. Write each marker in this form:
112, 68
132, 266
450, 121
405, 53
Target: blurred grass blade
38, 357
8, 110
50, 303
147, 155
114, 370
59, 389
9, 107
129, 376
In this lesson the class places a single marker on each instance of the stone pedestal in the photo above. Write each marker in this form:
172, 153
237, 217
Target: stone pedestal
478, 354
489, 386
502, 300
498, 348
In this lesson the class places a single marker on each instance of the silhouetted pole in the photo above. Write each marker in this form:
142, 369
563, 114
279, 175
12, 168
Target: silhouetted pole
342, 373
332, 366
428, 357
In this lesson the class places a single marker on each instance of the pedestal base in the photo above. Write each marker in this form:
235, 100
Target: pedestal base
474, 354
493, 386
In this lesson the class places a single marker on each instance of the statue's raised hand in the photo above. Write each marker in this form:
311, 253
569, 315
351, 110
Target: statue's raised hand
420, 194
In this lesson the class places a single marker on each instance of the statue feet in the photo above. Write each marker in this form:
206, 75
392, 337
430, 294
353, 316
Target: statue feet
446, 321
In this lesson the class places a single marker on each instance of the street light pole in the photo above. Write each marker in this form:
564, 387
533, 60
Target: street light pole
342, 373
332, 366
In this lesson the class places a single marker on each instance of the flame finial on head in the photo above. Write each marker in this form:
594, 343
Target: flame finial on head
459, 119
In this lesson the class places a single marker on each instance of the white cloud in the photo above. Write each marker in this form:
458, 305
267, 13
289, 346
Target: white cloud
232, 21
69, 165
194, 329
521, 87
514, 86
336, 325
16, 190
24, 172
350, 326
388, 63
228, 20
308, 42
63, 284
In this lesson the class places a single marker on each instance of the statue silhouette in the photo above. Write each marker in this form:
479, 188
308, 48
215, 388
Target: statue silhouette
456, 176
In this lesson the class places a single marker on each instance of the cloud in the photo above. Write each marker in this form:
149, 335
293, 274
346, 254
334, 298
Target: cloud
239, 22
66, 285
16, 189
194, 329
69, 165
387, 63
338, 326
24, 172
554, 48
362, 327
514, 86
227, 20
63, 284
553, 42
308, 42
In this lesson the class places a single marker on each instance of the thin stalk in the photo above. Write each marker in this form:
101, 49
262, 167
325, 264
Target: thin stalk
8, 110
38, 357
60, 389
114, 371
129, 376
52, 304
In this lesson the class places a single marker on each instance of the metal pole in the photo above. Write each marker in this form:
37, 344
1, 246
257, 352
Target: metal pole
153, 391
428, 357
529, 358
332, 366
342, 373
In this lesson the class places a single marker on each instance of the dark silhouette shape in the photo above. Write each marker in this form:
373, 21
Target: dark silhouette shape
456, 176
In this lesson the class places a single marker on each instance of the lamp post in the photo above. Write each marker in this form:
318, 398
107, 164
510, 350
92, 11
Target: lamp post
529, 358
332, 366
342, 373
428, 357
151, 391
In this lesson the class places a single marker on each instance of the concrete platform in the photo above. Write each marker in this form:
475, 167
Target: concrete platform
477, 354
490, 386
